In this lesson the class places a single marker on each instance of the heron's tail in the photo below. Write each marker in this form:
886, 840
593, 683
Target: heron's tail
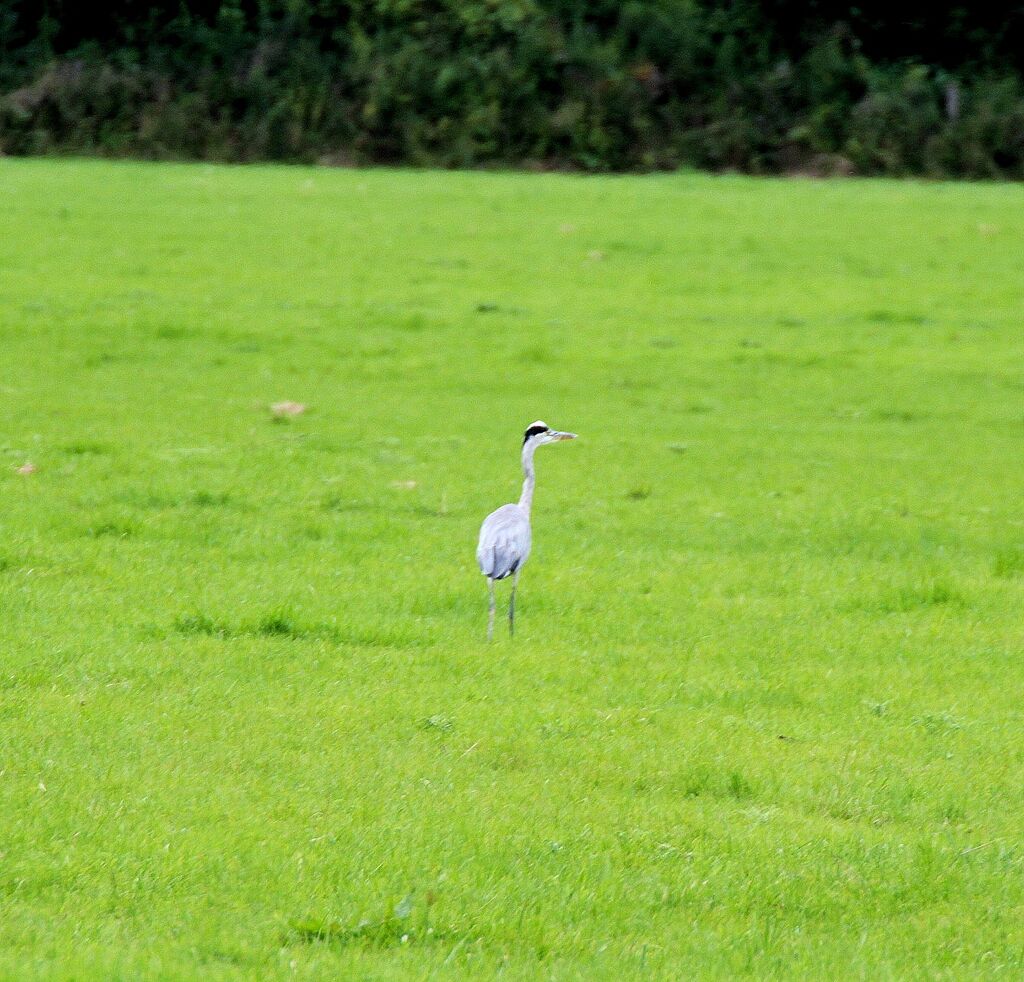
487, 560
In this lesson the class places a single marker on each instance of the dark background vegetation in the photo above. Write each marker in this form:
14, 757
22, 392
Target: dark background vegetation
877, 88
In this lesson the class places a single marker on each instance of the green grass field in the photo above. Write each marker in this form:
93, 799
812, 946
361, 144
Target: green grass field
762, 716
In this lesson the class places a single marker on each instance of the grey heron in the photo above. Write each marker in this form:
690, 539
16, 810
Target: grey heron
505, 534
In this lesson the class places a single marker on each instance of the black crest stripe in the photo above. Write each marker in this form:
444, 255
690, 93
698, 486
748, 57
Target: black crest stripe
533, 431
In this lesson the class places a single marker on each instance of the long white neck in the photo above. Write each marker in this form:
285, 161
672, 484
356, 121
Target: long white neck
526, 498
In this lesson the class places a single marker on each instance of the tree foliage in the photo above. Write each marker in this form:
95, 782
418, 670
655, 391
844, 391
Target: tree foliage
644, 84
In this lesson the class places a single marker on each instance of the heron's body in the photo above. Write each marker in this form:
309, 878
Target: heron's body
504, 542
505, 536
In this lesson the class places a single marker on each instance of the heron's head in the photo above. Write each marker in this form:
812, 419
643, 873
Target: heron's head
539, 433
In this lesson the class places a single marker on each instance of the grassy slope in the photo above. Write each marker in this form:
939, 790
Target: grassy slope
763, 714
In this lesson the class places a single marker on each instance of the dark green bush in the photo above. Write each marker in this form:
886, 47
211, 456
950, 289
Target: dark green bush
599, 85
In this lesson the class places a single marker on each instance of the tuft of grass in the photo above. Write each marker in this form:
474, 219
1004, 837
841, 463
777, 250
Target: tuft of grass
278, 623
116, 528
398, 929
201, 624
211, 499
893, 415
1009, 562
895, 317
739, 787
537, 355
938, 723
85, 448
440, 722
906, 599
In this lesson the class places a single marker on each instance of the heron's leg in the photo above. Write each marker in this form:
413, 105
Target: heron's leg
490, 610
512, 606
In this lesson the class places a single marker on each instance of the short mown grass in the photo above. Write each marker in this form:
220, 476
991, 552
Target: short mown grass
762, 713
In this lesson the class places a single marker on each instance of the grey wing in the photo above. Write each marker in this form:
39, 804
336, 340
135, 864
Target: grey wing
504, 542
